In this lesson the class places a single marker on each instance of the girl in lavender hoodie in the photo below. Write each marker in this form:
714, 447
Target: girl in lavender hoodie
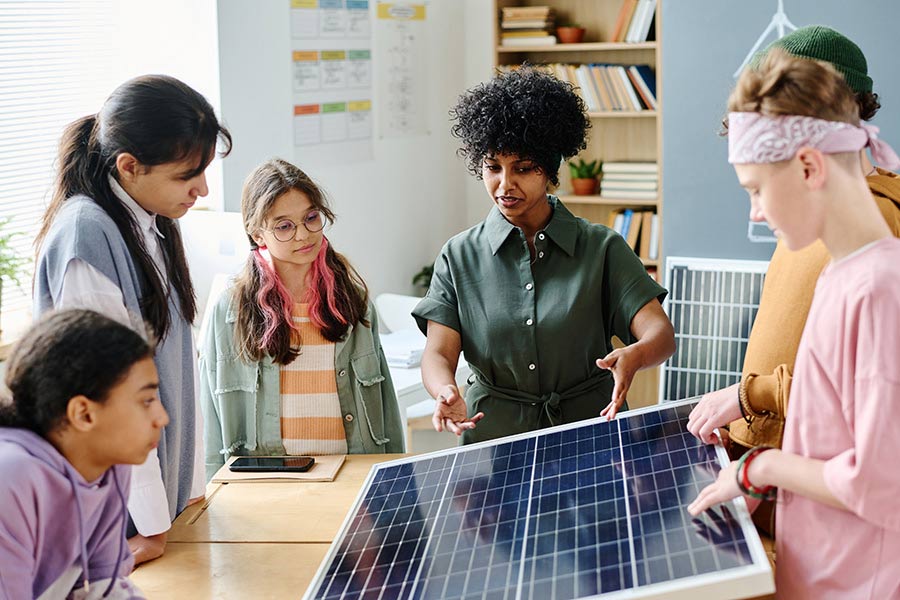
83, 403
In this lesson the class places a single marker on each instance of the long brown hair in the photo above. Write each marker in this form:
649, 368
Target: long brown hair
338, 297
158, 119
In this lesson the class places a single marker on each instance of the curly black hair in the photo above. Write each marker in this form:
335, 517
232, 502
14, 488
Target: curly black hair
525, 112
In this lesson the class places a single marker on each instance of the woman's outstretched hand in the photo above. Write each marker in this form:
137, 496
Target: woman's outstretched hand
623, 363
450, 412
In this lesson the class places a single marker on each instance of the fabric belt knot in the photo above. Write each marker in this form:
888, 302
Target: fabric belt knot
550, 403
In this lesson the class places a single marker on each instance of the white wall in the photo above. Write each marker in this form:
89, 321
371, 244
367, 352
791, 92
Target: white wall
479, 61
394, 212
177, 38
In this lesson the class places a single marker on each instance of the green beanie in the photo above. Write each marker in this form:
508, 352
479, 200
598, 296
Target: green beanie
824, 43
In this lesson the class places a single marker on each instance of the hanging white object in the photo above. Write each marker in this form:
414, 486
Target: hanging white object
780, 22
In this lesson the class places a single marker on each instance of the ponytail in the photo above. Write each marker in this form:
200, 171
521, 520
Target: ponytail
79, 167
157, 119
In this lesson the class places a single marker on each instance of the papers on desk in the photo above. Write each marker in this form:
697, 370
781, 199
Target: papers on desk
403, 348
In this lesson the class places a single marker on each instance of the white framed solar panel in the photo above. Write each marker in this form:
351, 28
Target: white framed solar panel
593, 509
712, 304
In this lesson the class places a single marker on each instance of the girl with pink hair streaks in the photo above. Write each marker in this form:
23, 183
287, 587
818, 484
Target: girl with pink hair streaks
794, 138
291, 363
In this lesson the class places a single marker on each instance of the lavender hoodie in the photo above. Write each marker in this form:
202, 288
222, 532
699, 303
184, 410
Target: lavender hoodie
52, 520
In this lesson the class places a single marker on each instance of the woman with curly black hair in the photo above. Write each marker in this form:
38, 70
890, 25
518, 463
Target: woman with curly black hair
533, 294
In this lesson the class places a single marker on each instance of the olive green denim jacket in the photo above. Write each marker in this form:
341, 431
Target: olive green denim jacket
242, 401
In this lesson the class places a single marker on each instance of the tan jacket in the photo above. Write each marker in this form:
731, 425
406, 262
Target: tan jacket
783, 308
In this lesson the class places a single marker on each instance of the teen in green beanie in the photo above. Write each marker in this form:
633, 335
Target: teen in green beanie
756, 406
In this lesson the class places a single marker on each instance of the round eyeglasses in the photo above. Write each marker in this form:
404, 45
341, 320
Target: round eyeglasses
285, 230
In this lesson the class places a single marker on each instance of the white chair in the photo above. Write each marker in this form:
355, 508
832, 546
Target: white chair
395, 311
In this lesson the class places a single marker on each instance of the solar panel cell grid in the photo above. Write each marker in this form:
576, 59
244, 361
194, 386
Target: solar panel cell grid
588, 510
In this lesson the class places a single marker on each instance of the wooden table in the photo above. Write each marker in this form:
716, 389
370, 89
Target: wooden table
257, 540
254, 540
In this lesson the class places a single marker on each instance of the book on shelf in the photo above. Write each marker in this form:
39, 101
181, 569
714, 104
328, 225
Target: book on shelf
622, 185
626, 12
646, 75
629, 194
549, 40
527, 12
639, 27
618, 220
653, 252
634, 230
646, 228
641, 88
630, 166
525, 33
514, 24
614, 177
627, 215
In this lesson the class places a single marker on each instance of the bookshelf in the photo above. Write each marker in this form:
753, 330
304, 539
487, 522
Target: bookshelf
614, 136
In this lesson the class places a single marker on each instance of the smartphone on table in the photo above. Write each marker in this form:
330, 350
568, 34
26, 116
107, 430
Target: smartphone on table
291, 464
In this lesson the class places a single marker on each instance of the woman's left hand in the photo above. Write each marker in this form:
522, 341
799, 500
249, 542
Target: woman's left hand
623, 363
723, 489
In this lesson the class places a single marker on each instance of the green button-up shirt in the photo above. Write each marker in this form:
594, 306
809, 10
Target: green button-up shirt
532, 329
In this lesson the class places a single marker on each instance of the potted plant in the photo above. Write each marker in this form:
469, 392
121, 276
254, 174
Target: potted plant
11, 264
422, 279
570, 33
584, 176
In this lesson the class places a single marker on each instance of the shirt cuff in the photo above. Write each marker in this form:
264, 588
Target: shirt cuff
430, 309
147, 503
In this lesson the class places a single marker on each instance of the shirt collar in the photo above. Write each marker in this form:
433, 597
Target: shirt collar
562, 228
145, 221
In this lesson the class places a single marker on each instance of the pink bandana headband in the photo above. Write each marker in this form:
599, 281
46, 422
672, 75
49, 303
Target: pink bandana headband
755, 138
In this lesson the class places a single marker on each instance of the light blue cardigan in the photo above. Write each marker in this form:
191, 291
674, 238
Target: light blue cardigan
242, 401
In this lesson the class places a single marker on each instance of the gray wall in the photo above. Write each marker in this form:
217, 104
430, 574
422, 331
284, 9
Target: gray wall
704, 41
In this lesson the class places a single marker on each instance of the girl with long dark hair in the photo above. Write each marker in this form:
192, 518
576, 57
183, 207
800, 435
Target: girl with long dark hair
291, 362
109, 242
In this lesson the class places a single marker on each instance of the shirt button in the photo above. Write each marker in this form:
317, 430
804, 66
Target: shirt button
348, 417
541, 236
540, 255
528, 286
341, 374
529, 322
532, 367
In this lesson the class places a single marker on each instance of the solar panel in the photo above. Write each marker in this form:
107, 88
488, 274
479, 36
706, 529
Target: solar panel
593, 509
712, 304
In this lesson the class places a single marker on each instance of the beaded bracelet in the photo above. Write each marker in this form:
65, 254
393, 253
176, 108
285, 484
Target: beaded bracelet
768, 492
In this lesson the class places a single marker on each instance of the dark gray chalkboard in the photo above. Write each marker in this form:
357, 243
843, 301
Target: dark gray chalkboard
704, 41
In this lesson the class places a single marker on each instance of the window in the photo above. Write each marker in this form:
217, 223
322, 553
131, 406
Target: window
57, 63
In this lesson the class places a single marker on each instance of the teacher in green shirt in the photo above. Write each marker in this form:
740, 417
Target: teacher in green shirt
533, 294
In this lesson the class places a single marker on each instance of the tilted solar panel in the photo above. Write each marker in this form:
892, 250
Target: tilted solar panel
586, 510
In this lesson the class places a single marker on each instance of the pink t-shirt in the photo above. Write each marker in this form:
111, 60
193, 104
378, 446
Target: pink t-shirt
845, 410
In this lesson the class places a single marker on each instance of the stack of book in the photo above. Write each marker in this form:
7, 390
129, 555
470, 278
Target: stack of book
640, 228
635, 21
527, 26
403, 348
630, 180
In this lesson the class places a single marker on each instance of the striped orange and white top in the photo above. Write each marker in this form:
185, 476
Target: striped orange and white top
311, 420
